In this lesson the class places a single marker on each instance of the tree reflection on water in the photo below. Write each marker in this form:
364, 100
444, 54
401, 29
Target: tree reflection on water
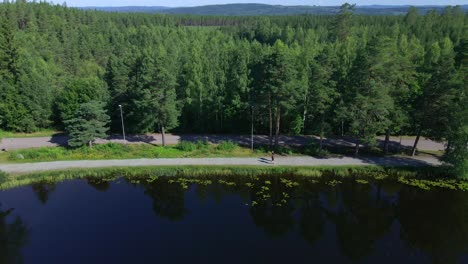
13, 236
435, 222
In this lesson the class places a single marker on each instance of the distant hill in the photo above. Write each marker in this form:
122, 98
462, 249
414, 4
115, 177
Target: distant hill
262, 9
127, 9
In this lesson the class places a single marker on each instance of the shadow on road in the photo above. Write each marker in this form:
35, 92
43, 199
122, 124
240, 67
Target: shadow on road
264, 160
394, 161
244, 140
59, 139
149, 139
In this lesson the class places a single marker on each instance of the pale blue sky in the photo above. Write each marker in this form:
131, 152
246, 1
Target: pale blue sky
173, 3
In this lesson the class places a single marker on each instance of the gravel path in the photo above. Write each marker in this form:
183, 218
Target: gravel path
284, 161
155, 139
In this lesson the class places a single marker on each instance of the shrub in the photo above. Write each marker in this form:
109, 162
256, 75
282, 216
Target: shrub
186, 146
226, 146
283, 150
3, 176
202, 144
313, 149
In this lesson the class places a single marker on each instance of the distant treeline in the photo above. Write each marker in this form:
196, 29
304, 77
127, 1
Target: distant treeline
267, 10
328, 75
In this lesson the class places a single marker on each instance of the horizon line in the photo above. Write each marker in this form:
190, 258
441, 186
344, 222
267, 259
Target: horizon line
402, 5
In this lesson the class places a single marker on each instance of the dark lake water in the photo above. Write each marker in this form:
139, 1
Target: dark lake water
231, 220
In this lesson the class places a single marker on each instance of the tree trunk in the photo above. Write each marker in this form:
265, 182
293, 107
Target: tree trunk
163, 134
90, 144
278, 121
271, 120
342, 128
356, 149
447, 148
321, 144
413, 151
200, 111
387, 141
304, 114
321, 136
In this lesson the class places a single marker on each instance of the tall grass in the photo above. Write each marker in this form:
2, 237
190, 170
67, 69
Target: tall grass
227, 146
3, 176
192, 146
130, 151
39, 133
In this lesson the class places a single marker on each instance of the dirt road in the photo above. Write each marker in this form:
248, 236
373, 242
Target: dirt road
21, 143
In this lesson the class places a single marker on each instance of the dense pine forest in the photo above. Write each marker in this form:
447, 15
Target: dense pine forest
346, 74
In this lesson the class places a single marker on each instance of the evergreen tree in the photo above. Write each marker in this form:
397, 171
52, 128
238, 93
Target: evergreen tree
457, 130
368, 103
279, 79
155, 103
322, 91
89, 123
439, 93
79, 91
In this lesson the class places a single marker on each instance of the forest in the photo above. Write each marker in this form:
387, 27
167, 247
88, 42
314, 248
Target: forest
253, 9
344, 74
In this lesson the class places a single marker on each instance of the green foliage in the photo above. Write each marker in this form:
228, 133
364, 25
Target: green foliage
345, 74
90, 122
186, 146
3, 177
227, 146
251, 9
191, 146
40, 133
152, 92
78, 92
314, 149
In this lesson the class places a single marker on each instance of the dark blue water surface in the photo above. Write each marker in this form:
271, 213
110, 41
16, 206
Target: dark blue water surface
231, 221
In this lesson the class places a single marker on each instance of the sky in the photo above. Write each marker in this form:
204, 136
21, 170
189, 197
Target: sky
175, 3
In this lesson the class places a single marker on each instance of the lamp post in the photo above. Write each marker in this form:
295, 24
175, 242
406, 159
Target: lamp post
123, 127
251, 128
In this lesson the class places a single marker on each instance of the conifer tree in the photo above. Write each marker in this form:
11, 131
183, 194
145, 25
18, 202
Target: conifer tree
88, 124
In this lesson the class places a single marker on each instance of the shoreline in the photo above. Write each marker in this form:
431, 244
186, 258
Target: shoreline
294, 161
420, 177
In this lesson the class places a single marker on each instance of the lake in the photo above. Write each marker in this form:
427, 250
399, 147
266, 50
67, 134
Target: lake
268, 219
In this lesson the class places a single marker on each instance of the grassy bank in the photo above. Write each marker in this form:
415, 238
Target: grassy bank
130, 151
41, 133
423, 178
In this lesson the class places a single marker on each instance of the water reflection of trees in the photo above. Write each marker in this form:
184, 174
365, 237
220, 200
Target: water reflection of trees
312, 222
13, 237
431, 221
363, 217
168, 199
275, 220
99, 184
42, 190
435, 222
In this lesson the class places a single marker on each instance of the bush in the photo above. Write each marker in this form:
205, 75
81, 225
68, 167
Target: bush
313, 149
226, 146
202, 144
283, 150
186, 146
189, 146
3, 176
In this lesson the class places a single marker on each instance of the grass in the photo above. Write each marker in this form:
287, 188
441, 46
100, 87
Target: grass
130, 151
422, 178
40, 133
